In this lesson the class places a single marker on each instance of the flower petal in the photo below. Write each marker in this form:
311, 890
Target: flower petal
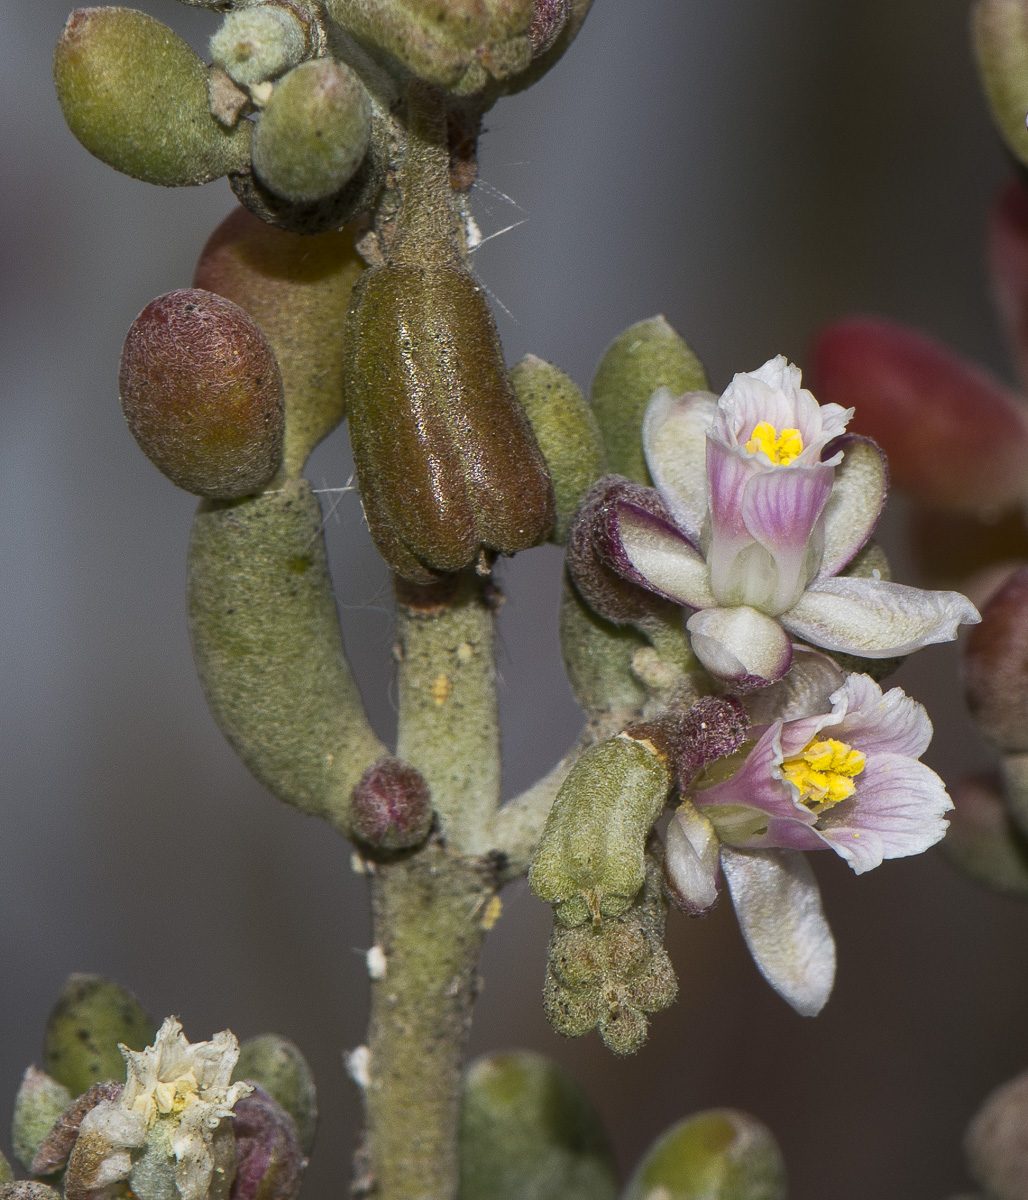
661, 558
740, 646
858, 497
692, 868
804, 691
778, 905
675, 440
875, 619
897, 810
728, 472
892, 723
781, 509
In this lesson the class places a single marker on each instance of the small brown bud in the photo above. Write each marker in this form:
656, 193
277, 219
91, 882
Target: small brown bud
55, 1148
996, 666
713, 727
391, 806
202, 394
548, 20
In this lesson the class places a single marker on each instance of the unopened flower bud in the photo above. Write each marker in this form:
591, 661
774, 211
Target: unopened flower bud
954, 437
565, 428
721, 1154
459, 45
297, 289
1000, 37
527, 1129
202, 394
313, 132
136, 96
391, 806
279, 1067
590, 863
39, 1103
996, 666
448, 466
692, 863
548, 20
269, 1159
91, 1017
259, 43
646, 356
996, 1142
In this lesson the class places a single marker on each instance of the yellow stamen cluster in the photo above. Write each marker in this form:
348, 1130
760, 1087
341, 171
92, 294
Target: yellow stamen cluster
823, 772
781, 448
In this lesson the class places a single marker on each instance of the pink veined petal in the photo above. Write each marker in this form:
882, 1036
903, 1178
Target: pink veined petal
728, 472
897, 810
675, 440
781, 509
875, 619
753, 778
856, 503
877, 723
778, 905
662, 558
740, 646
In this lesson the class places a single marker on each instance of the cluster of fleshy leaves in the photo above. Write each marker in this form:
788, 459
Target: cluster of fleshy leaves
758, 528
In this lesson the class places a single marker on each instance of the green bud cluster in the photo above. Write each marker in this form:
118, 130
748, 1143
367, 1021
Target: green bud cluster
591, 861
610, 974
526, 1129
721, 1154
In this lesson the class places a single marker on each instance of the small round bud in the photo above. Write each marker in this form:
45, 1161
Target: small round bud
313, 133
996, 666
91, 1016
255, 44
202, 394
526, 1129
717, 1155
996, 1142
269, 1159
391, 806
279, 1067
135, 95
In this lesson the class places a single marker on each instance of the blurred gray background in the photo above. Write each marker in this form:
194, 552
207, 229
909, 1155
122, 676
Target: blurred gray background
750, 168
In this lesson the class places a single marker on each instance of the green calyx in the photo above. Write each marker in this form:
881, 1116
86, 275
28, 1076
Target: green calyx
647, 356
565, 428
458, 45
717, 1155
590, 863
313, 133
297, 289
278, 1065
448, 466
610, 974
91, 1016
136, 96
1000, 36
526, 1129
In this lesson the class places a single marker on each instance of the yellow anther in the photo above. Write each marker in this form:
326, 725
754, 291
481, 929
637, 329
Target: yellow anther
823, 772
781, 448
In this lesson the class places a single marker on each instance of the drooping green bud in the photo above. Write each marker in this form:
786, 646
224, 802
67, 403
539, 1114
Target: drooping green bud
447, 463
721, 1154
590, 863
647, 356
297, 289
459, 45
266, 640
983, 841
279, 1067
610, 974
91, 1016
1000, 35
598, 658
202, 394
39, 1103
526, 1129
259, 43
313, 132
994, 1144
565, 428
136, 96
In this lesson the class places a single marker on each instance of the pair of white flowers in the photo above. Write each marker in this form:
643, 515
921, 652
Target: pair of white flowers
761, 502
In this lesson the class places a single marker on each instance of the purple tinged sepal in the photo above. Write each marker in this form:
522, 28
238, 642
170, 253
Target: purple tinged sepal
391, 808
740, 646
269, 1158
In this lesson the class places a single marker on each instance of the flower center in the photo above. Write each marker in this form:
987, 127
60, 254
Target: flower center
823, 772
781, 448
